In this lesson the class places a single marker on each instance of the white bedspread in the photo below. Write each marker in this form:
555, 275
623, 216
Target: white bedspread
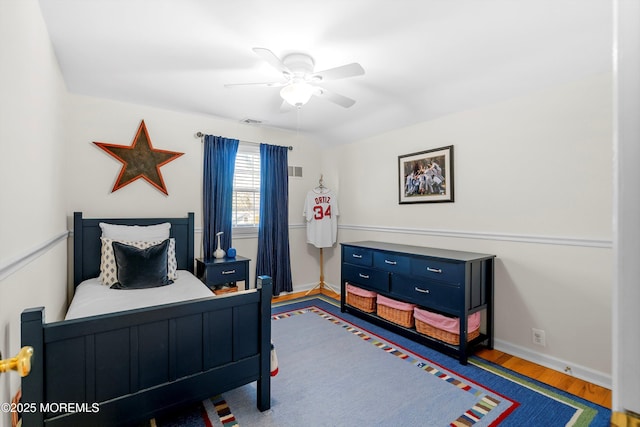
92, 297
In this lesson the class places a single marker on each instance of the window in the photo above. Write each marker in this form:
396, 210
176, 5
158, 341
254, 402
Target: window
246, 187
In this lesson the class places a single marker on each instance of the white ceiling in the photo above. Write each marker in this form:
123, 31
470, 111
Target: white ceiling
423, 58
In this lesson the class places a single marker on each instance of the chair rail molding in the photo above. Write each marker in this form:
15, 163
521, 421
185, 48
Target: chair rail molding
520, 238
9, 267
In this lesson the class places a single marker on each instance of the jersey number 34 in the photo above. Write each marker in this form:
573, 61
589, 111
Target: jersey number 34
320, 213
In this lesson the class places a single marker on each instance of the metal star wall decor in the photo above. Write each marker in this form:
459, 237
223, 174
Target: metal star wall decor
140, 160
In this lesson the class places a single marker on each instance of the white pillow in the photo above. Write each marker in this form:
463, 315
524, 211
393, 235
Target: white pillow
108, 268
136, 233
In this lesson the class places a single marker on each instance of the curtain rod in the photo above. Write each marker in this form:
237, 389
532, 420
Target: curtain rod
201, 135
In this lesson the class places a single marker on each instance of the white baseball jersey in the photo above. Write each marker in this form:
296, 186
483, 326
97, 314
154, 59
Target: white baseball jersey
321, 213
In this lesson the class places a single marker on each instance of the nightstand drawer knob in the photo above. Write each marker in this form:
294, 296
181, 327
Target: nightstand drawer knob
364, 276
357, 256
386, 261
434, 270
424, 291
229, 272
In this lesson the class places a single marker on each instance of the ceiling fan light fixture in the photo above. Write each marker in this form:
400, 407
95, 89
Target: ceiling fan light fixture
301, 81
297, 93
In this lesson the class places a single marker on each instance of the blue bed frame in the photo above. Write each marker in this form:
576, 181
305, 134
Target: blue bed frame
128, 367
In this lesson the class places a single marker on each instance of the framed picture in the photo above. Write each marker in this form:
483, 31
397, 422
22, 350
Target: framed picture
427, 176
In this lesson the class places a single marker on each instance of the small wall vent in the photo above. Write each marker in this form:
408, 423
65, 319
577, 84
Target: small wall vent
249, 121
295, 171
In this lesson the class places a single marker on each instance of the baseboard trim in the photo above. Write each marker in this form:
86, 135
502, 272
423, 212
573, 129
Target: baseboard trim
587, 374
13, 265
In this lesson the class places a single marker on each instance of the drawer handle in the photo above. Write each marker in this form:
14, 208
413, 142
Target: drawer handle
229, 272
390, 262
424, 291
364, 276
357, 256
434, 270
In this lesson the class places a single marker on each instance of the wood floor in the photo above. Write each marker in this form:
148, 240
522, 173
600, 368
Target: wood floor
570, 384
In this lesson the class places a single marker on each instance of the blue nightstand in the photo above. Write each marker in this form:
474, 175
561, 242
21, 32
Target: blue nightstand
222, 275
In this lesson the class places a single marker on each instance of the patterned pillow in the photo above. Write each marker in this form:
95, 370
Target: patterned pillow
108, 268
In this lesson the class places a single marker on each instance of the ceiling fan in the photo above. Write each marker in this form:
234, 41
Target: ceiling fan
301, 81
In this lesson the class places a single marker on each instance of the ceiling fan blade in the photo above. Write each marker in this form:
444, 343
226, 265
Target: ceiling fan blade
272, 59
344, 71
266, 84
341, 100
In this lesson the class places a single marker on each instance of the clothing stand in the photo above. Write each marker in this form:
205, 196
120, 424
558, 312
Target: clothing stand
321, 285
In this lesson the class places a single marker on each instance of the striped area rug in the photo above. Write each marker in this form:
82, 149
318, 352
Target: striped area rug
339, 370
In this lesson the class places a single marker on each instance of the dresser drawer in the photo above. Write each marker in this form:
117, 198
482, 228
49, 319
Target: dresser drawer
445, 296
368, 277
391, 262
439, 270
358, 256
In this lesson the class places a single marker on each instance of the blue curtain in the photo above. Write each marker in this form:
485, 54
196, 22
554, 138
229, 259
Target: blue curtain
219, 165
273, 231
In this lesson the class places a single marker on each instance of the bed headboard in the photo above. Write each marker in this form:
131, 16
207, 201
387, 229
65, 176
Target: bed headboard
87, 246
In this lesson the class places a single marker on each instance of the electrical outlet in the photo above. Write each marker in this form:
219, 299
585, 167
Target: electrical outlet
539, 337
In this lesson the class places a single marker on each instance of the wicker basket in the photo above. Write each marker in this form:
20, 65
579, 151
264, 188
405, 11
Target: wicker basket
442, 335
449, 337
400, 313
361, 299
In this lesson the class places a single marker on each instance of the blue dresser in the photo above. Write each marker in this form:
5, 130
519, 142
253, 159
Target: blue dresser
452, 283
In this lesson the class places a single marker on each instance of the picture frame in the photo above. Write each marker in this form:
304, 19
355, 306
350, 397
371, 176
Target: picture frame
426, 176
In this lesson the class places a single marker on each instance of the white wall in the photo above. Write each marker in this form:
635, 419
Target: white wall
533, 185
32, 217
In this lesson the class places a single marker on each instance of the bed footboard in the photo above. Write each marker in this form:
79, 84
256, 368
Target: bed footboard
126, 367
